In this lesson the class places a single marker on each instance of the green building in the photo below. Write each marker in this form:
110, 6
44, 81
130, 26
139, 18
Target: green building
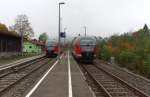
33, 46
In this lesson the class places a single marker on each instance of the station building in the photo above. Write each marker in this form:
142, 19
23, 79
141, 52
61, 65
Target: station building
33, 46
10, 43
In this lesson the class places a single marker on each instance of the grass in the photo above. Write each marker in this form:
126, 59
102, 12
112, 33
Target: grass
7, 60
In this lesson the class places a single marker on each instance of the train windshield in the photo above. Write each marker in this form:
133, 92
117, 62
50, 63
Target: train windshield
51, 44
87, 41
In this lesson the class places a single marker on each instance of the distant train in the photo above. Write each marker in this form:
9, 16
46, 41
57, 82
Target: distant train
52, 48
84, 48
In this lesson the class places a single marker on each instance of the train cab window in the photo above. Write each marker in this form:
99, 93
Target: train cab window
87, 41
51, 44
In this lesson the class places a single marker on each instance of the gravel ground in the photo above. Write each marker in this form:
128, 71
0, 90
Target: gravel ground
7, 60
138, 82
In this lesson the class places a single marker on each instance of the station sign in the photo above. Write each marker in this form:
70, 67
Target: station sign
62, 34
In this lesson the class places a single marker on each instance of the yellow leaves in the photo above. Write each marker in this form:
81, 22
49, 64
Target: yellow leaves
126, 45
3, 27
121, 45
147, 50
4, 30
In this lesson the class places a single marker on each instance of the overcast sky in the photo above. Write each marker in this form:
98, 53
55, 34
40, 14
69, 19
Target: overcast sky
101, 17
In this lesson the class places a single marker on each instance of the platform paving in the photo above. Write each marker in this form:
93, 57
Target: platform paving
56, 82
79, 86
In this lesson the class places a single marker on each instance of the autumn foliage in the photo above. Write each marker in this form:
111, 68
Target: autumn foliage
3, 27
131, 50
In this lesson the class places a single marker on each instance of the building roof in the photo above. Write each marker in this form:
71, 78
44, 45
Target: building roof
8, 33
34, 41
13, 34
37, 42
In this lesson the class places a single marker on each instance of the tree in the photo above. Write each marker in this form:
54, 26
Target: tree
11, 29
43, 37
3, 27
22, 26
145, 28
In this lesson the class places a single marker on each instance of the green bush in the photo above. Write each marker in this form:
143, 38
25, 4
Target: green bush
146, 66
128, 59
105, 53
131, 50
125, 57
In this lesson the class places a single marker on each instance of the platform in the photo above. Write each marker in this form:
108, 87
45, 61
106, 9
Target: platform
80, 87
56, 83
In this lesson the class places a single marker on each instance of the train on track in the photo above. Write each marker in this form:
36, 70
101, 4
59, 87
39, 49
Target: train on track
84, 48
52, 48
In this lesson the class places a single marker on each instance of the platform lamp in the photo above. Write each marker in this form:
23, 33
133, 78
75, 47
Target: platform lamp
60, 3
65, 35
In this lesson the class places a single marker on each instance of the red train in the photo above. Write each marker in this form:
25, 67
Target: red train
84, 48
52, 49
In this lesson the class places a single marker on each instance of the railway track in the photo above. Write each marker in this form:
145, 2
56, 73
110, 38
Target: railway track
8, 70
11, 77
133, 79
105, 84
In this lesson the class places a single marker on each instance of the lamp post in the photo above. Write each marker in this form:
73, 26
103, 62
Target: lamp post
65, 35
60, 3
85, 30
65, 29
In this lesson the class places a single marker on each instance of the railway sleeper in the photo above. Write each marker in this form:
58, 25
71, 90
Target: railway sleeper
111, 86
99, 94
122, 94
116, 90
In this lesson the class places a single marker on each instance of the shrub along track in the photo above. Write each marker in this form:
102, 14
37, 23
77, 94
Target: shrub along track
137, 81
14, 81
105, 84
